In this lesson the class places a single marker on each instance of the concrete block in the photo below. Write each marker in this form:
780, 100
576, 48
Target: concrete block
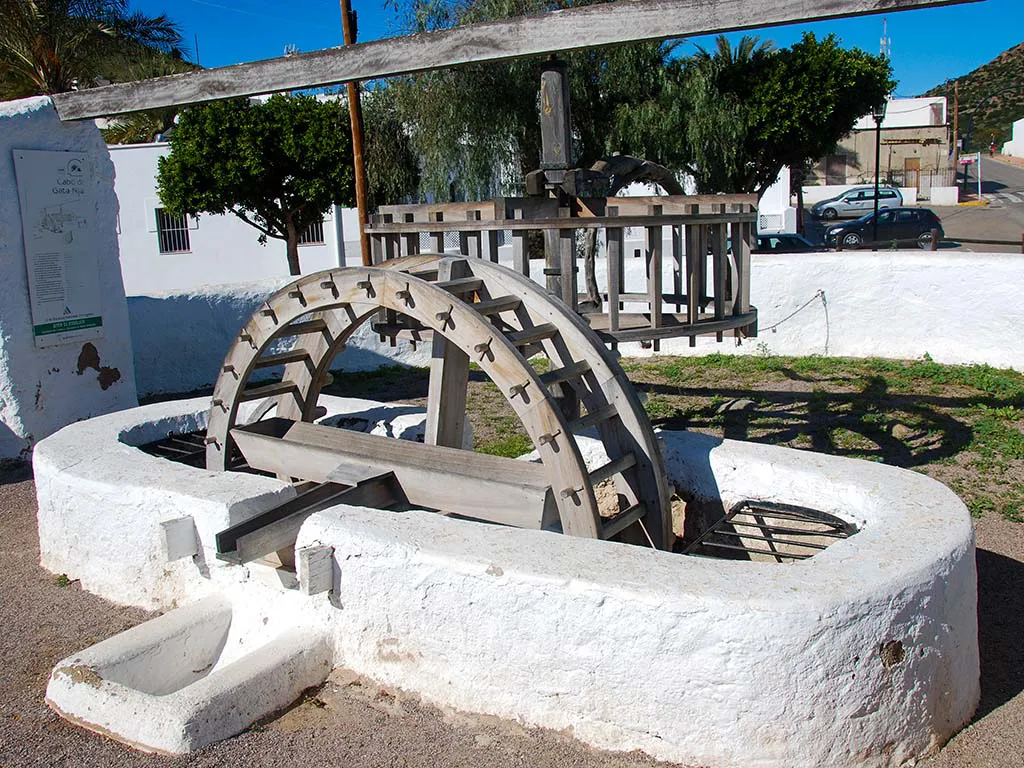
315, 566
864, 655
179, 538
171, 685
41, 390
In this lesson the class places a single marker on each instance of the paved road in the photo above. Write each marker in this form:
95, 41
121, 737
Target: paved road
1001, 184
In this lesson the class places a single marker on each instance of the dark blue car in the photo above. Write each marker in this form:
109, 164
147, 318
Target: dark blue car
902, 226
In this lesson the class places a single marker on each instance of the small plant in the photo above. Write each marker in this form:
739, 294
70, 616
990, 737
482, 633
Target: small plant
63, 580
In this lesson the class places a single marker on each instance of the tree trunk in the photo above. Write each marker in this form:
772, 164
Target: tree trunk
798, 182
293, 248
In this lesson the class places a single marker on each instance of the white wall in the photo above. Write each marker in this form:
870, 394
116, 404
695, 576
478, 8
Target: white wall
891, 304
908, 113
945, 195
182, 337
956, 307
224, 249
1015, 146
42, 390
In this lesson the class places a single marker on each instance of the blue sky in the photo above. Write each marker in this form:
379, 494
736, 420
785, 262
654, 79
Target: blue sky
928, 46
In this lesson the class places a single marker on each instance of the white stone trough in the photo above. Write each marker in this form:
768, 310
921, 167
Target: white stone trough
865, 654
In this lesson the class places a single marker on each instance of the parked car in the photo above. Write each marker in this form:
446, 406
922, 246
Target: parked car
856, 202
899, 225
786, 243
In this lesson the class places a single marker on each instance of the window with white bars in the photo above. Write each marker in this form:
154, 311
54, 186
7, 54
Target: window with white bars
313, 234
172, 232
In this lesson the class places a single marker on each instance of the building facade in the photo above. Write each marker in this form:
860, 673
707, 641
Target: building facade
160, 252
915, 148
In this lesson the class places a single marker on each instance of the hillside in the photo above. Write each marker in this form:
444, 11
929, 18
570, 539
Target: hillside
1004, 75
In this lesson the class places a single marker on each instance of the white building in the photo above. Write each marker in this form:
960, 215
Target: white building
1015, 147
161, 252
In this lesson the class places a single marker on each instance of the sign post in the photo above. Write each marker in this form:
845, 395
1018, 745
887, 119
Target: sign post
967, 161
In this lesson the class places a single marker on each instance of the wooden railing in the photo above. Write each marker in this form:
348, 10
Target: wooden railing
708, 244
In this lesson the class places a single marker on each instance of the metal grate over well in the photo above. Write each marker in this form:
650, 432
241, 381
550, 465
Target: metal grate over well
771, 532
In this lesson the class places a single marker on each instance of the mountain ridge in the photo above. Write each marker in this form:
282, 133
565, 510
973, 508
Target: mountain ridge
993, 93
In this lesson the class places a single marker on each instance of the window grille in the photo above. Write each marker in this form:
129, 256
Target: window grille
313, 234
172, 232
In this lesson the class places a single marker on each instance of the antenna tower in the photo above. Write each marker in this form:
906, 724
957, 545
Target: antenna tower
886, 40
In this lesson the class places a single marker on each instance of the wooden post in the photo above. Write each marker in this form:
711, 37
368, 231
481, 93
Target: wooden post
552, 262
492, 245
555, 156
449, 377
719, 249
555, 121
677, 263
520, 256
654, 279
411, 241
567, 266
355, 119
613, 251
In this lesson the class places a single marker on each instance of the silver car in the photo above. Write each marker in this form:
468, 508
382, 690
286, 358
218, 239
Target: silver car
854, 203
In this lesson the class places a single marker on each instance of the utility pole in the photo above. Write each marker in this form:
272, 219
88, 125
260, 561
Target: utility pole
355, 118
956, 128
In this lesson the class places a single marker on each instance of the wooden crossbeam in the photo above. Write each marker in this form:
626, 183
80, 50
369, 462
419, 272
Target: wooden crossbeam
278, 528
459, 482
572, 29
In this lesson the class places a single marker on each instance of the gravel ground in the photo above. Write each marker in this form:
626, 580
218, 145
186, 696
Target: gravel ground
354, 723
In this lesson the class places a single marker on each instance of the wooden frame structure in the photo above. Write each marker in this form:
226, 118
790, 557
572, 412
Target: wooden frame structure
468, 310
472, 308
572, 29
711, 241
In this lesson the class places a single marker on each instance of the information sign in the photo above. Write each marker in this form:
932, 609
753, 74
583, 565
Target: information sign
57, 193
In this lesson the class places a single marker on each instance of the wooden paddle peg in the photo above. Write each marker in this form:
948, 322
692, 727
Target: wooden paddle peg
519, 390
549, 438
484, 349
367, 285
329, 285
405, 296
445, 318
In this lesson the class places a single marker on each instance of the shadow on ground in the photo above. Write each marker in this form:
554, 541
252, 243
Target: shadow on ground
905, 430
14, 472
1000, 629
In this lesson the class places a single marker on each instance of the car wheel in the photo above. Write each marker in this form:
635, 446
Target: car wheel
852, 240
829, 213
924, 241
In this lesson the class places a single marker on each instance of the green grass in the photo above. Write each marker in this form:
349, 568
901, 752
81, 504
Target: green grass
961, 424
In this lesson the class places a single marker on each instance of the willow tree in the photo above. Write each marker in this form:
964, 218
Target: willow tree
278, 165
473, 124
52, 46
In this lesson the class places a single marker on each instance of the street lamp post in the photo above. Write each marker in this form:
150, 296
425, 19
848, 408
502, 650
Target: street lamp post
878, 113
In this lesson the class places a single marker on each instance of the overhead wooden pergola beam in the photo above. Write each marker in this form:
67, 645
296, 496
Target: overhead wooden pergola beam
573, 29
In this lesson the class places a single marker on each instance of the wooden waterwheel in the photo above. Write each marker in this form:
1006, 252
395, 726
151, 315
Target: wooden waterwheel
469, 310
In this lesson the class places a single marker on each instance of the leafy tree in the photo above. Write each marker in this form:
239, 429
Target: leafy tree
277, 165
52, 46
468, 124
750, 110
